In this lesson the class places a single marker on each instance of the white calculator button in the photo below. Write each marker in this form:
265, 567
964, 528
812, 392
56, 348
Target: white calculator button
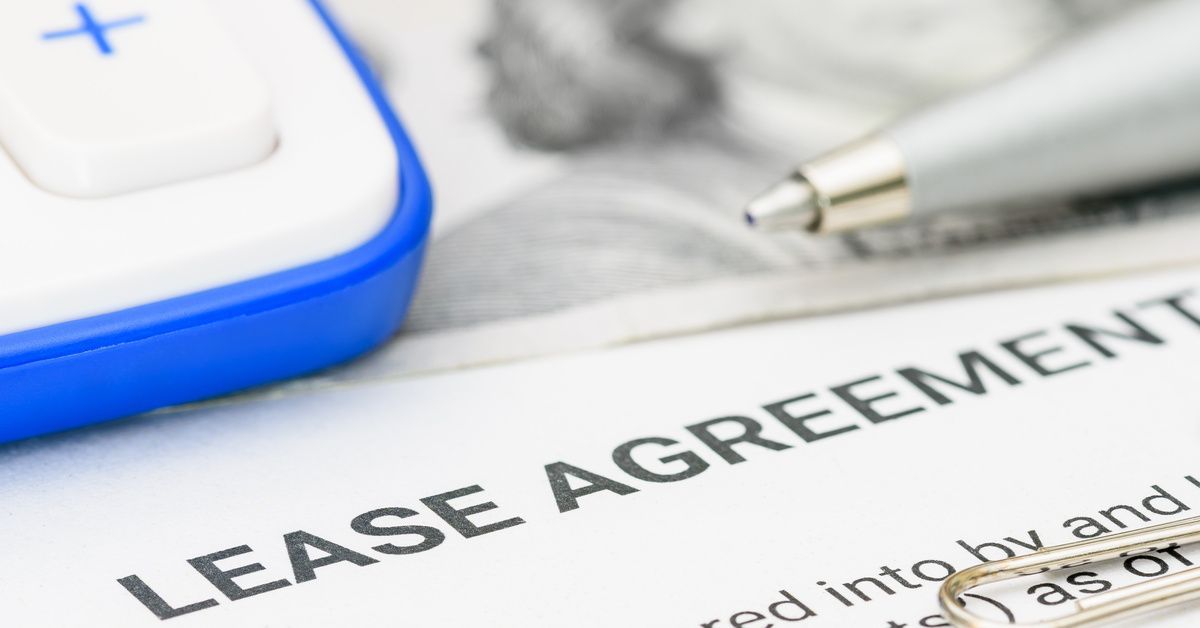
100, 97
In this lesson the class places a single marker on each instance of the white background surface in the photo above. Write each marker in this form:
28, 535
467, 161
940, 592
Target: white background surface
83, 509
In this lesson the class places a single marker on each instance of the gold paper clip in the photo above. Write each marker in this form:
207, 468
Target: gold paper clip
1123, 602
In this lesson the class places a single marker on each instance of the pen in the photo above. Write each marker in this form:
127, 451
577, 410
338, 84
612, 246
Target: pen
1115, 108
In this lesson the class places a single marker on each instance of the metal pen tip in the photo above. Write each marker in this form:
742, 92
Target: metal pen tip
789, 204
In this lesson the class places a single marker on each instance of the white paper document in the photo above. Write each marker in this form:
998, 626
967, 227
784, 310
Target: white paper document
821, 472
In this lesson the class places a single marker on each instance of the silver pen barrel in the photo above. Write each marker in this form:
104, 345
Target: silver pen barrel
1116, 107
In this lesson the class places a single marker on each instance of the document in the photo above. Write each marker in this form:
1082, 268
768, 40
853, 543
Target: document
820, 472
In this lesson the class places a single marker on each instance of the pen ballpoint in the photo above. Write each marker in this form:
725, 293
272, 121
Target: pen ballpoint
1114, 108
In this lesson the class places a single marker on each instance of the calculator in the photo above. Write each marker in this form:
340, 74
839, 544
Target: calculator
196, 197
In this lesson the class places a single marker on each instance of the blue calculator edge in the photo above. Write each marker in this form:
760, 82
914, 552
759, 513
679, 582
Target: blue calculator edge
228, 338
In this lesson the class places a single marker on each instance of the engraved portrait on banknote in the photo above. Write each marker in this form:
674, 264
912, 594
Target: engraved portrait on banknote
663, 117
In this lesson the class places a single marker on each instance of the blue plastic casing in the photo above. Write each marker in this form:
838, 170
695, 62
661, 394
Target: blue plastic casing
227, 338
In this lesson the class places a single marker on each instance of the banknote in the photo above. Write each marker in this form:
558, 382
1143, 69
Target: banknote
590, 159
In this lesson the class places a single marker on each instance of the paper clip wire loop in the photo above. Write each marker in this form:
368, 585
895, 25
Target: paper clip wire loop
1143, 597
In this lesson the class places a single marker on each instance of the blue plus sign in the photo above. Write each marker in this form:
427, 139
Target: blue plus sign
93, 28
